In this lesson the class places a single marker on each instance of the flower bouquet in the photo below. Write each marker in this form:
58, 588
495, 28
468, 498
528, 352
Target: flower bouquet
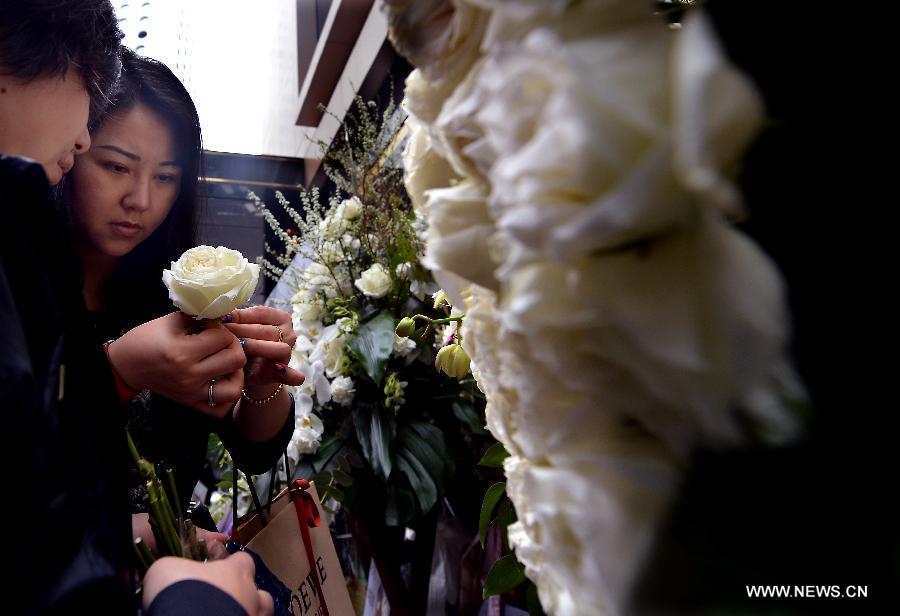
377, 408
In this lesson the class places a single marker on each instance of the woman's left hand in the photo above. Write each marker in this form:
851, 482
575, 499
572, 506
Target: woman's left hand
268, 338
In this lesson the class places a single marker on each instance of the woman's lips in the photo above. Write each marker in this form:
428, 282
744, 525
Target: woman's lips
125, 229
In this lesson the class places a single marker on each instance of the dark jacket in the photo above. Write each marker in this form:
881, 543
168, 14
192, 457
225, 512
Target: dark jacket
66, 522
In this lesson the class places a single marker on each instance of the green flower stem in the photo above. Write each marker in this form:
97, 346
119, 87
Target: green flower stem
438, 321
164, 518
144, 555
173, 492
163, 542
132, 448
167, 506
197, 550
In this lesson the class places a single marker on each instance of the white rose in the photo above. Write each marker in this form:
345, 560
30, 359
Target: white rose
207, 282
351, 209
342, 390
374, 282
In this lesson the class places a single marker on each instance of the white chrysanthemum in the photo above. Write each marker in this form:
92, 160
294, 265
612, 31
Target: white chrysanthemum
461, 233
342, 390
443, 39
615, 318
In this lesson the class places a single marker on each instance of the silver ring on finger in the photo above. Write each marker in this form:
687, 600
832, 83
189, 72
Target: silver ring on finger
209, 396
280, 333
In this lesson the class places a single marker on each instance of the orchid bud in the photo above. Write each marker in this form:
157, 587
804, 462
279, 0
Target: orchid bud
406, 327
453, 361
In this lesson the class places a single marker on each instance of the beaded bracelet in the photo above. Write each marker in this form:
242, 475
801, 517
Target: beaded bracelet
268, 398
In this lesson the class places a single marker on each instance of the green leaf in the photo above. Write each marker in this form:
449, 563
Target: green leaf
506, 574
375, 430
423, 460
533, 602
329, 448
494, 456
506, 515
342, 478
400, 505
491, 497
333, 492
373, 343
465, 413
321, 479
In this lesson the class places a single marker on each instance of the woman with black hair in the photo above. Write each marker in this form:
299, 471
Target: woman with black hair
133, 203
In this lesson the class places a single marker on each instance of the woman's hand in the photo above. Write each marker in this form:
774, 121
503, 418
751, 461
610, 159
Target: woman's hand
269, 337
234, 575
178, 357
215, 542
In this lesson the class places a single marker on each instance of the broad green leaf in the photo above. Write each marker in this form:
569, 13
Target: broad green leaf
373, 343
375, 430
494, 456
465, 413
422, 458
400, 505
427, 443
491, 497
506, 574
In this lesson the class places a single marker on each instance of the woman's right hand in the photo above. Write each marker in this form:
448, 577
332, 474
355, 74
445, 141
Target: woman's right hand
234, 575
214, 542
172, 357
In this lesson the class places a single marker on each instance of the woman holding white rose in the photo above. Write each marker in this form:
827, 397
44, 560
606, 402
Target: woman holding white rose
133, 203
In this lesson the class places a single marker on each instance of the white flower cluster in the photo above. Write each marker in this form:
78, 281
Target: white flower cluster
571, 161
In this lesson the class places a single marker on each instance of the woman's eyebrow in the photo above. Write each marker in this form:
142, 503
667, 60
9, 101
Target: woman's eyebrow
135, 157
125, 153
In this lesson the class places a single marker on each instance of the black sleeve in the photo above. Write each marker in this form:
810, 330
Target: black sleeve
192, 597
256, 457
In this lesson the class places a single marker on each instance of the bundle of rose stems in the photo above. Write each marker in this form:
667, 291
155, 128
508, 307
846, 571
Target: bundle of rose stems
175, 534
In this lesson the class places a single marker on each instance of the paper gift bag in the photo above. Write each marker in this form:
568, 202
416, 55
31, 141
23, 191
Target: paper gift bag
296, 546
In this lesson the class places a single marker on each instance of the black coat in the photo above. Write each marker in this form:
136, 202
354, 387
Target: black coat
67, 533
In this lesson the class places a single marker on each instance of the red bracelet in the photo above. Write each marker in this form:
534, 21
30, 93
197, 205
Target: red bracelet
126, 392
